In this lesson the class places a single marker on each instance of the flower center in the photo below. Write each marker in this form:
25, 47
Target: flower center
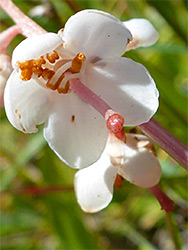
53, 70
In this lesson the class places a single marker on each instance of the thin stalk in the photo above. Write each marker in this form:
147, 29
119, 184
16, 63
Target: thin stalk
87, 95
27, 25
7, 36
173, 230
165, 140
163, 199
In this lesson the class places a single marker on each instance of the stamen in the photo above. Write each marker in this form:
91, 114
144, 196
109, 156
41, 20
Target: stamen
77, 63
29, 67
52, 76
60, 63
26, 74
57, 77
47, 74
69, 77
53, 57
65, 89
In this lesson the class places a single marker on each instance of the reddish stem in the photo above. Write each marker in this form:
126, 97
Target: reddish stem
164, 139
114, 120
27, 25
87, 95
7, 36
163, 199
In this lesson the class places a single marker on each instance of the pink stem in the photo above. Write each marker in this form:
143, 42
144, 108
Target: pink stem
7, 36
27, 26
87, 95
166, 141
163, 199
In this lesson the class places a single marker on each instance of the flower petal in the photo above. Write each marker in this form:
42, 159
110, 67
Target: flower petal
26, 103
141, 166
126, 86
75, 131
143, 32
96, 34
5, 71
34, 47
94, 185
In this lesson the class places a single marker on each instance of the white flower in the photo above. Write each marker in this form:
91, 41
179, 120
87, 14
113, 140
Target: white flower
133, 160
89, 49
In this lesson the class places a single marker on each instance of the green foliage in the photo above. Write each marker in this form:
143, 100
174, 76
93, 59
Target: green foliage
133, 220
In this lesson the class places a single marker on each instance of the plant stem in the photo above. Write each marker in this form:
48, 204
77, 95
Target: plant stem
87, 95
163, 199
27, 25
164, 139
7, 36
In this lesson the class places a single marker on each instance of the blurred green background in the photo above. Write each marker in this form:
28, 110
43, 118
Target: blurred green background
52, 219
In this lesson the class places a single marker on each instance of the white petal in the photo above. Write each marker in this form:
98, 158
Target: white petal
126, 86
115, 149
76, 131
94, 185
96, 34
143, 32
34, 47
26, 103
5, 71
141, 167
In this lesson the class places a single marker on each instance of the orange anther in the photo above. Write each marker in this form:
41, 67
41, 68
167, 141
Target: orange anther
65, 89
77, 63
26, 65
39, 62
53, 57
118, 181
26, 74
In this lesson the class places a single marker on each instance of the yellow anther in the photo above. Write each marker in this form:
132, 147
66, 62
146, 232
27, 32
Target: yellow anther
77, 63
26, 65
29, 67
26, 74
53, 57
39, 62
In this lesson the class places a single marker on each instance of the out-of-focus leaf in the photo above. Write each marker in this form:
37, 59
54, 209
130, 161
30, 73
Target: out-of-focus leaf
36, 142
168, 11
64, 217
129, 232
174, 230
